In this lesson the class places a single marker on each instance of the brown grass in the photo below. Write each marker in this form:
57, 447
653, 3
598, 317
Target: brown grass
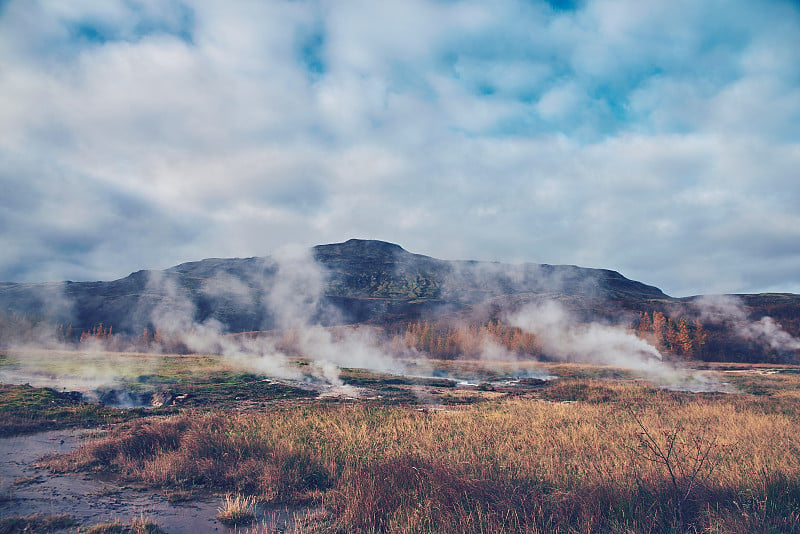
237, 510
574, 463
407, 494
140, 525
36, 523
210, 451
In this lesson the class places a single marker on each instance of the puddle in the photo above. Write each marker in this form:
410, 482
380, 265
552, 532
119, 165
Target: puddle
25, 490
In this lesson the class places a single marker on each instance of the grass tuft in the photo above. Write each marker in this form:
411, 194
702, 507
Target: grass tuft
237, 510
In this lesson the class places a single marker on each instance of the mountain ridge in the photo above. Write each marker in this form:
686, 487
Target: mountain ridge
356, 269
364, 281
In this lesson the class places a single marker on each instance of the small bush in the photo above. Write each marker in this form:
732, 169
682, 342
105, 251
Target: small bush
142, 439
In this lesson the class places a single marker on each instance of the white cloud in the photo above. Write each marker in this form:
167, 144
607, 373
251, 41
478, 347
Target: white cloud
561, 101
658, 140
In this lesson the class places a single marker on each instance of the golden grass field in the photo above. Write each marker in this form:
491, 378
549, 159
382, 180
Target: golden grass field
594, 450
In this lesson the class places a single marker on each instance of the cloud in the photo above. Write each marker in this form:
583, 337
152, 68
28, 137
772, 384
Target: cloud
661, 141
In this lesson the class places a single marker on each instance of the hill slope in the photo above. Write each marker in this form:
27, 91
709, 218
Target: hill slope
362, 281
368, 281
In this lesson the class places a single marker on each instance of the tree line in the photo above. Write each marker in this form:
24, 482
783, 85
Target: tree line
682, 337
446, 341
677, 338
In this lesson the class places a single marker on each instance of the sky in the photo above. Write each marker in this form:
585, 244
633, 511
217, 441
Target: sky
660, 139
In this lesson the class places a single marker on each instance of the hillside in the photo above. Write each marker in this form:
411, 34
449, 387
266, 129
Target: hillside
361, 281
368, 281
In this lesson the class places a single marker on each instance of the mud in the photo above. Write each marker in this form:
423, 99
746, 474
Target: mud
27, 489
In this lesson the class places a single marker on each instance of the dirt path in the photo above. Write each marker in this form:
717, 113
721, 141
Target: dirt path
25, 490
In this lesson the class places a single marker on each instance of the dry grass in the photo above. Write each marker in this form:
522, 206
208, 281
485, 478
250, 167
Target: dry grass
237, 510
573, 463
211, 451
407, 494
36, 523
139, 525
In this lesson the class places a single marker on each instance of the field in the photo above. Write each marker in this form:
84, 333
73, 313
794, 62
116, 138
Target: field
462, 447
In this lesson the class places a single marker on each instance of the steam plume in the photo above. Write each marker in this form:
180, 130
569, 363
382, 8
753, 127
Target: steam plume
564, 338
294, 299
731, 309
567, 340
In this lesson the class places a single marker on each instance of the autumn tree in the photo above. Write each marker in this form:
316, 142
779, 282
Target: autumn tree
681, 337
447, 341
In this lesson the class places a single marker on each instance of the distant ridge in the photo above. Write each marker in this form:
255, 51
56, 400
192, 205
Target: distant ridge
367, 281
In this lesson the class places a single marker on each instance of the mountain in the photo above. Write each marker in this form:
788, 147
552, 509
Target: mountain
358, 281
367, 281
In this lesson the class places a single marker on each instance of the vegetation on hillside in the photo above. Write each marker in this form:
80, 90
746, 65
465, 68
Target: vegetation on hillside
677, 336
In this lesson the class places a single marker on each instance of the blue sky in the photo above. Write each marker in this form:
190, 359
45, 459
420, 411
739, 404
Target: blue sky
660, 138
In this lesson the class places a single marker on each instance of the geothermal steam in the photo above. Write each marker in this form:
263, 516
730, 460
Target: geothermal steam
288, 290
730, 309
294, 299
564, 338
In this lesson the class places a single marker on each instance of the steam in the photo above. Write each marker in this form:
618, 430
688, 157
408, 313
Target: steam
229, 286
492, 351
294, 299
565, 339
284, 299
49, 304
731, 309
720, 308
772, 333
299, 283
484, 280
491, 279
54, 369
285, 293
174, 314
